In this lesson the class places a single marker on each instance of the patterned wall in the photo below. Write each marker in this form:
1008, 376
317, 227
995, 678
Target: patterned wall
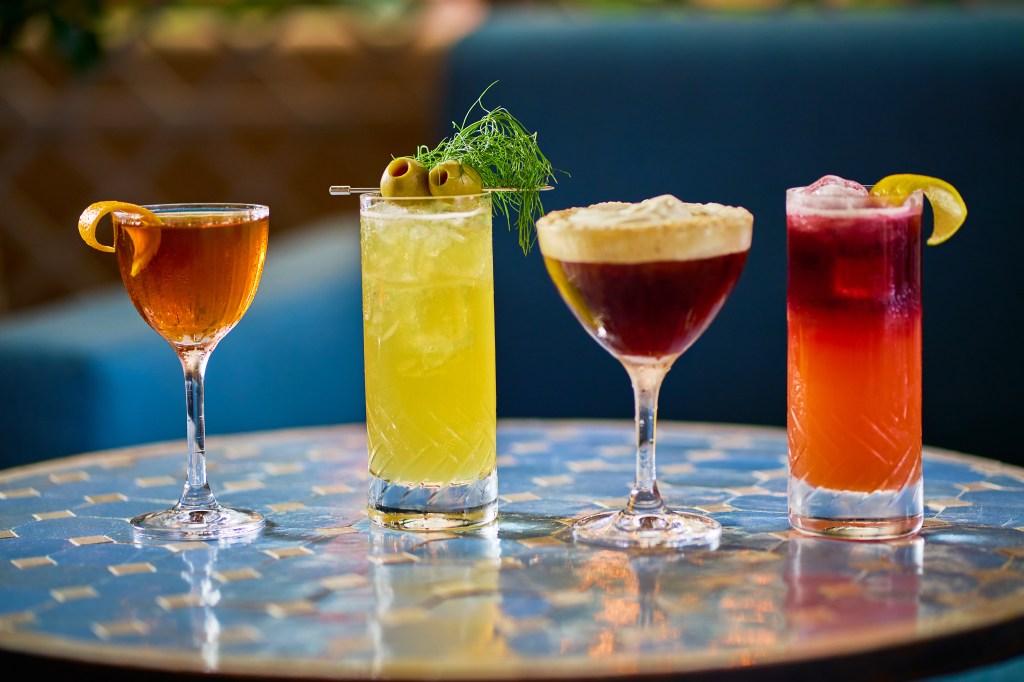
190, 104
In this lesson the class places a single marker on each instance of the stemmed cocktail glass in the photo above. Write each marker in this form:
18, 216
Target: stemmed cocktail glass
192, 270
645, 280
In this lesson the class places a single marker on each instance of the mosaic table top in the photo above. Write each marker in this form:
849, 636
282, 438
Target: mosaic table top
322, 594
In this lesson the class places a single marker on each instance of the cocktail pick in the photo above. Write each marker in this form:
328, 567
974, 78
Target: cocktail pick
347, 190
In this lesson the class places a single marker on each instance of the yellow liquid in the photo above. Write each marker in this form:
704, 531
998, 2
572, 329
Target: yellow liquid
428, 335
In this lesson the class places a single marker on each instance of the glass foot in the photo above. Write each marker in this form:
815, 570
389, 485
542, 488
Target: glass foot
853, 515
201, 523
432, 521
432, 507
858, 529
664, 529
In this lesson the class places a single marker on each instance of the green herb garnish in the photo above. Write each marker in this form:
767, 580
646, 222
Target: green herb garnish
506, 155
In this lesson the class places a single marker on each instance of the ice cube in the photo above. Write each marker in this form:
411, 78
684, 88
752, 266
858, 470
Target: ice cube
835, 186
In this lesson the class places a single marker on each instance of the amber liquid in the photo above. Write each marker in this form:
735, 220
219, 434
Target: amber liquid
655, 309
201, 278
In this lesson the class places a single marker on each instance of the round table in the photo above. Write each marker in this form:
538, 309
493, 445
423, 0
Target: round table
323, 594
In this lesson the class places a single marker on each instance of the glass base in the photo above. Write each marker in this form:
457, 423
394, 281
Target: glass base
202, 523
853, 515
651, 530
432, 507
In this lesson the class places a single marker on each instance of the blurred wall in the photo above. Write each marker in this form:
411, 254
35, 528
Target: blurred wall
196, 104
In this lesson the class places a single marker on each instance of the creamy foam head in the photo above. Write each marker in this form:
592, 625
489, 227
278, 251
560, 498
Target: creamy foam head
658, 229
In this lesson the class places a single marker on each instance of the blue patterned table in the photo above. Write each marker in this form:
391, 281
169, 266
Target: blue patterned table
322, 594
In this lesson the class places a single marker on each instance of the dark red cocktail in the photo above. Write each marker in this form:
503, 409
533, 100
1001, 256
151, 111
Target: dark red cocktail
645, 280
647, 310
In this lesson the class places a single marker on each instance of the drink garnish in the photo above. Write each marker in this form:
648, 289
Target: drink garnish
145, 241
948, 207
349, 190
505, 154
454, 178
495, 154
405, 177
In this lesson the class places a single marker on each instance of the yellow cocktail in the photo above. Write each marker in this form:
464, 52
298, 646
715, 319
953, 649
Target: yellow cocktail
428, 334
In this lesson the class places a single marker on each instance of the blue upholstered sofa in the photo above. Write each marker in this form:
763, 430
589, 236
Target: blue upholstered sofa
730, 109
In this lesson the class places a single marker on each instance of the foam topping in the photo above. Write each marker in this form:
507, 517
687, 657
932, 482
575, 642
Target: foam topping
657, 229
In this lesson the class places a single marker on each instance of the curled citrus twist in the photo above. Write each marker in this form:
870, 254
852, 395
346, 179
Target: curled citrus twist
145, 240
948, 207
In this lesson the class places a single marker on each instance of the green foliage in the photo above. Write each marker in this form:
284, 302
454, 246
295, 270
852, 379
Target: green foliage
507, 156
73, 25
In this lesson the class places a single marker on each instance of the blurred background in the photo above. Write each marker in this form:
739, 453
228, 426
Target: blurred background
233, 100
273, 102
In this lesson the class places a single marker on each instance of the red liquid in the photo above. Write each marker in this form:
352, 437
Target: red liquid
652, 310
854, 311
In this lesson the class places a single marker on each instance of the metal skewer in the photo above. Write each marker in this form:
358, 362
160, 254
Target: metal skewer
347, 190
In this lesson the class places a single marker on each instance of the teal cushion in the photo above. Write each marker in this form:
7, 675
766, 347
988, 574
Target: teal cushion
1007, 671
89, 374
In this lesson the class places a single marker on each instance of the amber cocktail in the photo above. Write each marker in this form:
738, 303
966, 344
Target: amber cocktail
192, 270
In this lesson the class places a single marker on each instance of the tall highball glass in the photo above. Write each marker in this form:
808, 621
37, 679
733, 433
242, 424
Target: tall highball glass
854, 368
428, 337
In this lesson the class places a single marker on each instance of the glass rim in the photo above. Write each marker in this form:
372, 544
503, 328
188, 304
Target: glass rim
374, 205
171, 211
842, 203
377, 196
202, 206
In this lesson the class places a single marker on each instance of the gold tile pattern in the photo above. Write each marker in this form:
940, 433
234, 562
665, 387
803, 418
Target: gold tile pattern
106, 497
57, 514
329, 593
89, 540
69, 477
132, 569
33, 562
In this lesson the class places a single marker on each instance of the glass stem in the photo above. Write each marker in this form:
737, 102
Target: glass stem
645, 498
197, 491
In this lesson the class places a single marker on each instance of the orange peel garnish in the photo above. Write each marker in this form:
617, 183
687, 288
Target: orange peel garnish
146, 241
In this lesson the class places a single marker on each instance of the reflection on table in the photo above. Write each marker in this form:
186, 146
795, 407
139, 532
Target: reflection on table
323, 593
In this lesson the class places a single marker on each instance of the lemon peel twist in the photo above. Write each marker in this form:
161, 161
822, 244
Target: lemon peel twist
948, 207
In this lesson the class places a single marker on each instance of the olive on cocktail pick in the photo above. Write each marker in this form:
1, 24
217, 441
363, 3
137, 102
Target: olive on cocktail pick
454, 178
404, 177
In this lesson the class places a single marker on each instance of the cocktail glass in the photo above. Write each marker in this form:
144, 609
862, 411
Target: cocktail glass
854, 368
192, 277
428, 335
645, 280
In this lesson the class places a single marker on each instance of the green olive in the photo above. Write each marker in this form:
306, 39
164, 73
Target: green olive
454, 178
404, 177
